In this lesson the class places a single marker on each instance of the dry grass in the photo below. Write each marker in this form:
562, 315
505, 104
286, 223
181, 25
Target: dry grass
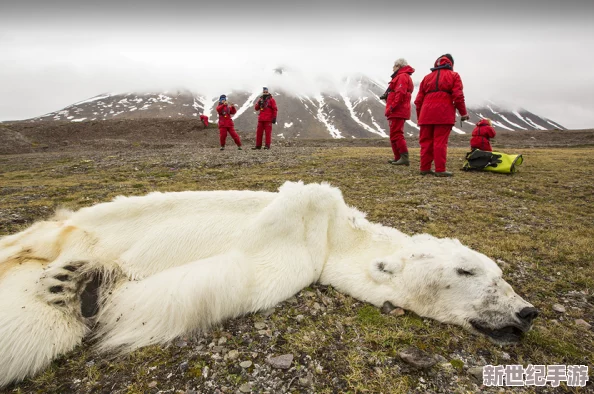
538, 224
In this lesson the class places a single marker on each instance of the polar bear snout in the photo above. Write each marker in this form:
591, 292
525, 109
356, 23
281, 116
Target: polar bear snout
527, 314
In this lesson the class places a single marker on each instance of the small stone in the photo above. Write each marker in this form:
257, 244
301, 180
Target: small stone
559, 308
152, 384
245, 364
281, 362
245, 388
306, 381
217, 349
191, 392
292, 300
233, 355
417, 358
505, 356
260, 325
205, 371
582, 323
476, 373
397, 312
299, 318
184, 366
387, 307
181, 343
268, 312
440, 358
317, 306
222, 341
235, 370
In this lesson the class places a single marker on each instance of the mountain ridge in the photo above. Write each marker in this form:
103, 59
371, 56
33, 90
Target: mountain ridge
354, 110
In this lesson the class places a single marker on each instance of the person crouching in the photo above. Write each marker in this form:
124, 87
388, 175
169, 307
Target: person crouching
398, 109
225, 111
481, 135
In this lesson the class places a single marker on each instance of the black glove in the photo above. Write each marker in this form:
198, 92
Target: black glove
274, 121
384, 96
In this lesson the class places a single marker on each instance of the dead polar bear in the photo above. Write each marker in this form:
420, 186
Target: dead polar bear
173, 263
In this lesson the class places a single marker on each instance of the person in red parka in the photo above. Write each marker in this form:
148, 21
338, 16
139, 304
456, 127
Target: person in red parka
440, 94
225, 111
398, 109
267, 117
481, 135
204, 120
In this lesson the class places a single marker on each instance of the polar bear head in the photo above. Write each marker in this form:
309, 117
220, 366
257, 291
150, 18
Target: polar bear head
446, 281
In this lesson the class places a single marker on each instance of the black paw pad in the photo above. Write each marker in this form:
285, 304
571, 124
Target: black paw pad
56, 289
62, 278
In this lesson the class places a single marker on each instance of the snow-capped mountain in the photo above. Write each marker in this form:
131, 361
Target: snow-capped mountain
353, 110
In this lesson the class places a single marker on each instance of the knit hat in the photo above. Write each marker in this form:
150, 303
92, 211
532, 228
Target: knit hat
222, 98
265, 89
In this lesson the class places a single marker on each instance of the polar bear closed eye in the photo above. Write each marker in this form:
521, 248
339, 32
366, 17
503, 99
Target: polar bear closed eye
145, 270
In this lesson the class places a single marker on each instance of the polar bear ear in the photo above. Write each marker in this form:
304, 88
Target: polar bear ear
382, 270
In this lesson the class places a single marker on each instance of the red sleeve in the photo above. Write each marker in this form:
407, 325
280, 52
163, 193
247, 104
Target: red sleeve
420, 98
491, 132
400, 89
257, 106
219, 108
274, 108
233, 110
458, 95
392, 84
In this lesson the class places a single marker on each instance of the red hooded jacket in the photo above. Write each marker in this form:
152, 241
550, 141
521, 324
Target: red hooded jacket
400, 92
481, 135
440, 94
267, 108
225, 112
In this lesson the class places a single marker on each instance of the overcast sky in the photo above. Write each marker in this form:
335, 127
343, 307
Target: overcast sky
534, 54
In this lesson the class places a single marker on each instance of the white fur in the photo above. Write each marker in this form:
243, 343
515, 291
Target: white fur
180, 262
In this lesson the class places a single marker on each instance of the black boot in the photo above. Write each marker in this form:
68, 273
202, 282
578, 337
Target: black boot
444, 174
267, 147
403, 161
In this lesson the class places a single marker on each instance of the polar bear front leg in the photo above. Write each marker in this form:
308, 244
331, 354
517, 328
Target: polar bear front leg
176, 302
39, 320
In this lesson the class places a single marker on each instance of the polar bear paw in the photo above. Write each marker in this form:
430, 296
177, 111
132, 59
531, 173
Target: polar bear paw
62, 286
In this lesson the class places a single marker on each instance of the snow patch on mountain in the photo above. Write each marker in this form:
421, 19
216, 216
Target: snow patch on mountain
323, 117
511, 123
247, 105
349, 105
